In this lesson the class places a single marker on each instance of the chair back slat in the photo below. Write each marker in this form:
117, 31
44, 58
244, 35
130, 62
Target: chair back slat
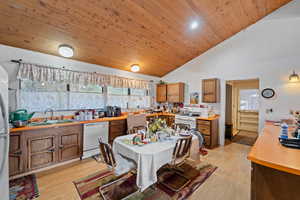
107, 154
134, 120
182, 148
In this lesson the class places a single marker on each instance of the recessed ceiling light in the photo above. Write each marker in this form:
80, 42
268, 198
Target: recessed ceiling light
135, 68
194, 25
66, 50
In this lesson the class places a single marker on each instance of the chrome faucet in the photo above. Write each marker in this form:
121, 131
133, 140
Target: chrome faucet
51, 111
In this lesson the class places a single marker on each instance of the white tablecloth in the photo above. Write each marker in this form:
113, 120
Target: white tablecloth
148, 158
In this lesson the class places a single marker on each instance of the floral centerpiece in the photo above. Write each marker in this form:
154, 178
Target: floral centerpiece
157, 125
159, 129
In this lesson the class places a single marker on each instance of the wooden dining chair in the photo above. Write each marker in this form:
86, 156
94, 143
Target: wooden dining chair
135, 129
108, 157
175, 126
136, 120
180, 154
107, 154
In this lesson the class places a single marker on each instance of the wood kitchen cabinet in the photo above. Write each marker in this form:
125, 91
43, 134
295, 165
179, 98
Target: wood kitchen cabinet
210, 90
172, 92
161, 92
16, 154
117, 128
41, 150
36, 149
69, 142
210, 131
175, 92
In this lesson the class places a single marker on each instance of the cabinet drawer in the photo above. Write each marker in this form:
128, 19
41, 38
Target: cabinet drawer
117, 122
117, 129
203, 122
204, 130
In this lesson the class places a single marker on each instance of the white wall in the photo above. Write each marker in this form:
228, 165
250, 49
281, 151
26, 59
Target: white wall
268, 50
8, 53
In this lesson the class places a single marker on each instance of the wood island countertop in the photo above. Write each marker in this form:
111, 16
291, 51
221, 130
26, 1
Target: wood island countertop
105, 119
268, 151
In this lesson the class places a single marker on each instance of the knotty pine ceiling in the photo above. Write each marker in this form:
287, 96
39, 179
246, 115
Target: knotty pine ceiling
155, 34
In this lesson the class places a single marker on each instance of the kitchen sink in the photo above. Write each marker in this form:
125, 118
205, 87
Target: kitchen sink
50, 122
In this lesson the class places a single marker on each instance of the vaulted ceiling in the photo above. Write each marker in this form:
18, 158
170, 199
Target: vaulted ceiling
156, 34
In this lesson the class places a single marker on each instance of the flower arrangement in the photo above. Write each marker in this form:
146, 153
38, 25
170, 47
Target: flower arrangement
157, 125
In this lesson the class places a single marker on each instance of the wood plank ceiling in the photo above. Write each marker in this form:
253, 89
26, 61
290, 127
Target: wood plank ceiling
118, 33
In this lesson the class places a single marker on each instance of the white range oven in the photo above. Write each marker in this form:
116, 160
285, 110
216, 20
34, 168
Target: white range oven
182, 119
91, 133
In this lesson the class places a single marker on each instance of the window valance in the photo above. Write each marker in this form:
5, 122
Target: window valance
34, 72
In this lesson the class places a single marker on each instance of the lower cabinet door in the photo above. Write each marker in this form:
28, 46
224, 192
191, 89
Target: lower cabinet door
42, 151
70, 143
69, 146
16, 154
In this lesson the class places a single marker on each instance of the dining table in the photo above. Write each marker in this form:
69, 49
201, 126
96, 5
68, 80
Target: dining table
147, 159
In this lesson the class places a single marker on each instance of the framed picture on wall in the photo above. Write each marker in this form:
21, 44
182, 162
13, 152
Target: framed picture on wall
194, 98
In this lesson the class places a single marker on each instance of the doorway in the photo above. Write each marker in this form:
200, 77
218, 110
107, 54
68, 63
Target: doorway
242, 110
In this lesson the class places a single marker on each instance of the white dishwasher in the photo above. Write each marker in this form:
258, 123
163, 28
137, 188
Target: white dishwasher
91, 133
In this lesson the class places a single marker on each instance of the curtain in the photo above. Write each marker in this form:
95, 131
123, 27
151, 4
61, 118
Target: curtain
34, 72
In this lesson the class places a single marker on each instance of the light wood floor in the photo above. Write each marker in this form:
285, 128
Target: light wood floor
231, 181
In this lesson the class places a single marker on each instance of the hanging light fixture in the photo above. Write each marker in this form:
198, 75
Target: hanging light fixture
135, 68
66, 50
294, 77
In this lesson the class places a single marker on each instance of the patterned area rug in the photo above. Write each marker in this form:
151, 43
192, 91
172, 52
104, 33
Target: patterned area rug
245, 137
88, 187
24, 188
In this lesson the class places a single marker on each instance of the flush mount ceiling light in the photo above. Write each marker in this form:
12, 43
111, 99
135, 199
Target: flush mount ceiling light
194, 25
135, 68
294, 77
66, 50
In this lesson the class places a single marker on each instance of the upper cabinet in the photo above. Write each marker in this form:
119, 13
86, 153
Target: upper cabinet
161, 92
210, 90
173, 92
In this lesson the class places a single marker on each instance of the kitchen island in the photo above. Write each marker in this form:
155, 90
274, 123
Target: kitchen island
275, 171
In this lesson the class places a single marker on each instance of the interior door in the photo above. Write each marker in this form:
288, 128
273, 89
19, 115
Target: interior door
248, 110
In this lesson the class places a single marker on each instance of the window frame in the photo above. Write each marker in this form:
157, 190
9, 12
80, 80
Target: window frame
104, 92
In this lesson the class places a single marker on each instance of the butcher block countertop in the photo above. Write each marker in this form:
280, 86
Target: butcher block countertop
105, 119
268, 151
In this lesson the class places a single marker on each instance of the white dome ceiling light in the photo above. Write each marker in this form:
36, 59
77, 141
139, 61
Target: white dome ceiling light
66, 50
135, 68
194, 25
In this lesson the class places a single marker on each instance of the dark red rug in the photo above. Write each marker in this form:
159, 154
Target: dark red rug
88, 187
24, 188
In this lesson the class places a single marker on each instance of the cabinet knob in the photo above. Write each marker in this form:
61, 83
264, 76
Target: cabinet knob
61, 146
